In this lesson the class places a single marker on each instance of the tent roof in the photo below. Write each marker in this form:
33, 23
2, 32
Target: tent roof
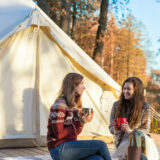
16, 15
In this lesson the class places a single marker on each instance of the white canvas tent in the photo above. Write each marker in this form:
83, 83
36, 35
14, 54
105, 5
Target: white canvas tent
35, 55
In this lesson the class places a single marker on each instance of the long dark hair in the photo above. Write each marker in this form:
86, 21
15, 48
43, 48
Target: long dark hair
70, 81
135, 104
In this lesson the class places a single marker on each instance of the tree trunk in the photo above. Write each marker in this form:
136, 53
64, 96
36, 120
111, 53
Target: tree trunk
65, 15
73, 19
98, 50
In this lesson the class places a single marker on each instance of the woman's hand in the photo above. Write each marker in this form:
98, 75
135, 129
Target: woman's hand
116, 129
86, 118
125, 127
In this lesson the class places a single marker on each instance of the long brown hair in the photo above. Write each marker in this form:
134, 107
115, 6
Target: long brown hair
135, 104
67, 91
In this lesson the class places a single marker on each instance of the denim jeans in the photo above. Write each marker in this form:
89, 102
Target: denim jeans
81, 150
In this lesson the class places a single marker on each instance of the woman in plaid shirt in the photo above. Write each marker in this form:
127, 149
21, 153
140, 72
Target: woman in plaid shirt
130, 137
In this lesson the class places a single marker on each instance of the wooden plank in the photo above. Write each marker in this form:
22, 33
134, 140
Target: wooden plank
13, 152
25, 152
9, 152
30, 152
21, 152
3, 155
45, 149
38, 151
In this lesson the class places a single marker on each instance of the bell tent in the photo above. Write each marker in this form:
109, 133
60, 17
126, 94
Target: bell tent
35, 55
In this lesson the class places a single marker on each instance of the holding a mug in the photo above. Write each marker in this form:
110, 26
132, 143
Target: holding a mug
66, 122
85, 113
130, 123
120, 122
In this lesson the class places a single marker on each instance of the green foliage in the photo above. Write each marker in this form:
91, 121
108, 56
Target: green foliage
155, 126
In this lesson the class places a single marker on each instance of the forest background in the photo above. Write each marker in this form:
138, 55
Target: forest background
113, 38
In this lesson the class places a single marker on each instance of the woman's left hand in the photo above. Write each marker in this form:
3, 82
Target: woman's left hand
125, 127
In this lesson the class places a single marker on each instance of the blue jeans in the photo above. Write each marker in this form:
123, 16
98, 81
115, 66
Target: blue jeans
81, 150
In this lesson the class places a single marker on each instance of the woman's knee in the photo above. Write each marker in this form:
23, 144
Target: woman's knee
135, 134
101, 144
135, 138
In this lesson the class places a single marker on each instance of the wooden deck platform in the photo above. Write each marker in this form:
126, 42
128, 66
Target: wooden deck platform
40, 153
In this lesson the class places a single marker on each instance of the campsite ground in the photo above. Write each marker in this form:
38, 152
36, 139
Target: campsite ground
42, 153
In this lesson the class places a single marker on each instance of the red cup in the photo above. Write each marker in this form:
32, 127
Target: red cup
120, 121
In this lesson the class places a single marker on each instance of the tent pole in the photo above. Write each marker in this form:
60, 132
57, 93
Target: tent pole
37, 109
